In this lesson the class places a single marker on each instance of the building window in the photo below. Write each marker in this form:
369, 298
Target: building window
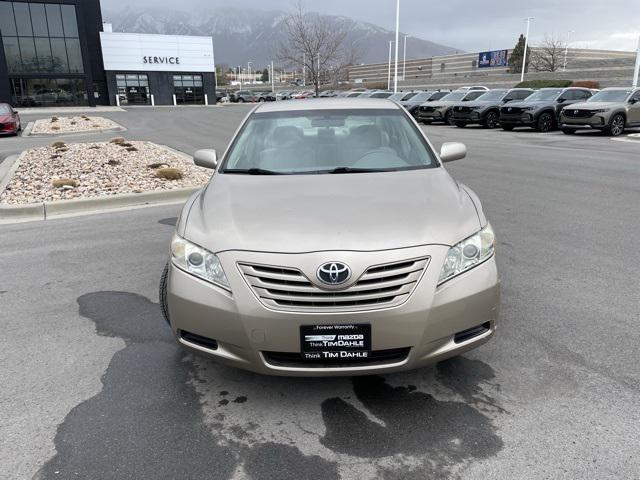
36, 92
442, 66
40, 38
474, 64
133, 88
188, 89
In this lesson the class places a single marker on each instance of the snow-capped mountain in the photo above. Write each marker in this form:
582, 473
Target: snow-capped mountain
242, 35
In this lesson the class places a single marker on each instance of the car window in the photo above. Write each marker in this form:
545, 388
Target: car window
472, 95
545, 95
5, 110
319, 141
454, 96
581, 94
492, 95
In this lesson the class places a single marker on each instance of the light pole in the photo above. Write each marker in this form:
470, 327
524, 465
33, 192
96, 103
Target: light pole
389, 70
273, 88
404, 58
566, 51
526, 44
249, 71
635, 71
395, 76
240, 76
304, 69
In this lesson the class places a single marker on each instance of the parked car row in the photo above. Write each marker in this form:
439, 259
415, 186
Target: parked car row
610, 110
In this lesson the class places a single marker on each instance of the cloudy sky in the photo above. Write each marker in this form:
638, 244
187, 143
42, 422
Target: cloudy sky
467, 24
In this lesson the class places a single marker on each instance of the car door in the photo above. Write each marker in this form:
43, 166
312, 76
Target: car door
634, 108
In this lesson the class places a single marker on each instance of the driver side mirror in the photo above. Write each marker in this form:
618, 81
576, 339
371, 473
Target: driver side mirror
451, 151
633, 100
207, 158
560, 100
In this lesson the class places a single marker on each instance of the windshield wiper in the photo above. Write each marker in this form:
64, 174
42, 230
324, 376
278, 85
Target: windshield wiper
358, 170
252, 171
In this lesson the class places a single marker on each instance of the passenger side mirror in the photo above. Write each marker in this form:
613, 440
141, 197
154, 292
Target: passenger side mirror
560, 100
451, 151
207, 158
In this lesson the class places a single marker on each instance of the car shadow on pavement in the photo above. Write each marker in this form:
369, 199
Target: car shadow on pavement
163, 413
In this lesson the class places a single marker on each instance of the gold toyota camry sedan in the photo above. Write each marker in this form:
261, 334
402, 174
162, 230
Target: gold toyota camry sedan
331, 240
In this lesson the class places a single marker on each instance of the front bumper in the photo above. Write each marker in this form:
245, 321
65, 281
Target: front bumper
596, 122
467, 118
524, 119
245, 329
430, 116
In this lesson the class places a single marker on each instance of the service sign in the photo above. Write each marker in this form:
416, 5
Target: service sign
140, 52
494, 58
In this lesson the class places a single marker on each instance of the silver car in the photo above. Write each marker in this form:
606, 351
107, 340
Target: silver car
331, 240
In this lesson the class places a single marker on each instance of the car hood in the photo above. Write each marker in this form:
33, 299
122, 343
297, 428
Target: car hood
476, 103
542, 103
594, 105
305, 213
440, 103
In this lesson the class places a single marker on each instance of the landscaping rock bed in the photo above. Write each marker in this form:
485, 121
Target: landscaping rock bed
83, 170
81, 123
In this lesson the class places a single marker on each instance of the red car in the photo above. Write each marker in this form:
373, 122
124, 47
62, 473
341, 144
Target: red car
9, 120
303, 95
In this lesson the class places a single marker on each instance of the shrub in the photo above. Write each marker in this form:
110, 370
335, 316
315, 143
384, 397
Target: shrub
55, 127
131, 149
586, 84
169, 173
95, 126
125, 144
58, 144
73, 122
544, 83
117, 140
61, 182
54, 119
84, 117
157, 165
113, 162
62, 150
54, 156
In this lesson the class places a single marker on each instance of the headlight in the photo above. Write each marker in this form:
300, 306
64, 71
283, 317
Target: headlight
197, 261
528, 108
601, 110
468, 253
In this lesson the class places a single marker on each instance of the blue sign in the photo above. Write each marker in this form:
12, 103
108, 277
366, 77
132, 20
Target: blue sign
494, 58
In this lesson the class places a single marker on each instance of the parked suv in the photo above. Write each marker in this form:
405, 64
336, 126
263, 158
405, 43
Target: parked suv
610, 110
441, 110
413, 101
242, 96
485, 110
542, 109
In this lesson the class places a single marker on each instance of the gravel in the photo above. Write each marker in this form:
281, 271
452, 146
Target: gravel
82, 123
99, 169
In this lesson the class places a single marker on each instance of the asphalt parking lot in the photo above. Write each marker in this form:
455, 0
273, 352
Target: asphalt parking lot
94, 387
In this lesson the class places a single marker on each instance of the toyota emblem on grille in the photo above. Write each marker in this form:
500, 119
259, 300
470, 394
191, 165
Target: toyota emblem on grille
333, 273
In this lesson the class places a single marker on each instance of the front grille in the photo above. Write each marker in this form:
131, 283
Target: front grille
462, 109
287, 288
376, 357
511, 110
578, 113
427, 109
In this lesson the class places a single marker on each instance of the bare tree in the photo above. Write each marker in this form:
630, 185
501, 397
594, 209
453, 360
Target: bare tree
318, 43
549, 55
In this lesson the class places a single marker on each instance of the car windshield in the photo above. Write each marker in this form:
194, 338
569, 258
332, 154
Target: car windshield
410, 95
473, 95
328, 141
542, 95
492, 95
381, 95
453, 96
420, 97
610, 96
397, 96
5, 110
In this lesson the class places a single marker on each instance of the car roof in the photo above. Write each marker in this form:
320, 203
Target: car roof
328, 104
621, 88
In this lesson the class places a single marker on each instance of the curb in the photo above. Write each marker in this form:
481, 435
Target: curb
8, 168
62, 208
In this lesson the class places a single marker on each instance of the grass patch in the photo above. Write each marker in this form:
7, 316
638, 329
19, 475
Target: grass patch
64, 182
169, 173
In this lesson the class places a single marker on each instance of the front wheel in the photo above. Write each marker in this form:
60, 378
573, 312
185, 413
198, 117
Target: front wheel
448, 118
490, 120
545, 123
162, 294
241, 100
616, 125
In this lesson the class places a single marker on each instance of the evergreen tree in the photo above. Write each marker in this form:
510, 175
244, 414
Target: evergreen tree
515, 56
265, 75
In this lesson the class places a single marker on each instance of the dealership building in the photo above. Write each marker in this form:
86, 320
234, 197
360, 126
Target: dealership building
59, 53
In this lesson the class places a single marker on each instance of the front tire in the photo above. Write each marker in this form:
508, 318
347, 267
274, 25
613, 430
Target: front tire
490, 120
162, 294
545, 123
616, 125
448, 118
241, 100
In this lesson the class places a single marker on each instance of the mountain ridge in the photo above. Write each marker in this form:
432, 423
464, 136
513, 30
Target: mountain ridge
250, 35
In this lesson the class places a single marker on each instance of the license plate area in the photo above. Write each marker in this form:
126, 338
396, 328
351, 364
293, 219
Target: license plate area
335, 343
